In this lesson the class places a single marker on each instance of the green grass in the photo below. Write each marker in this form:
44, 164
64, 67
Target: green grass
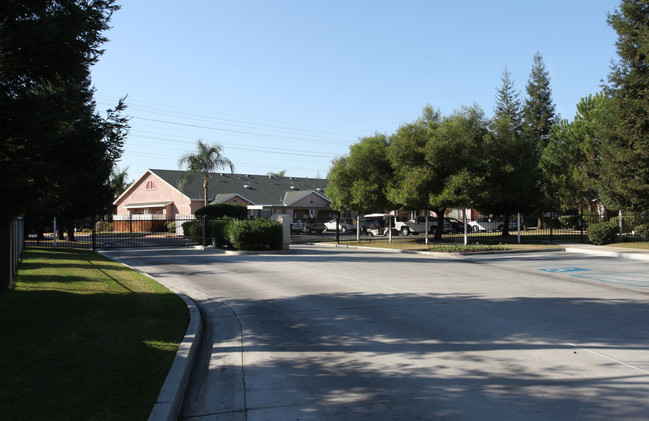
84, 338
416, 245
642, 245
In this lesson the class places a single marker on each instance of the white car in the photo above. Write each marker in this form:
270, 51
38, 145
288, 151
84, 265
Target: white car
490, 224
344, 225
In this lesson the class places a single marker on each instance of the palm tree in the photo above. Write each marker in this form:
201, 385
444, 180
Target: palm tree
205, 159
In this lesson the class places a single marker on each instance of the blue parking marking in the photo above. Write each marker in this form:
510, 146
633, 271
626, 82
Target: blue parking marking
630, 279
563, 270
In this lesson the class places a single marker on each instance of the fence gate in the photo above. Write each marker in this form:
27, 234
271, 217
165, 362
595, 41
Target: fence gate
132, 231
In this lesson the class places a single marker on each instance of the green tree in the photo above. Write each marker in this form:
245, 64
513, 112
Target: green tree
358, 181
624, 148
204, 160
539, 111
538, 118
56, 151
571, 159
118, 181
435, 161
509, 166
278, 174
509, 103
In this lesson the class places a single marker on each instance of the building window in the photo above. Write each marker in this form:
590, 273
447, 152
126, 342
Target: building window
150, 185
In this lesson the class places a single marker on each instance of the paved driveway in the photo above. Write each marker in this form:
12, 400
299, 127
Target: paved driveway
340, 334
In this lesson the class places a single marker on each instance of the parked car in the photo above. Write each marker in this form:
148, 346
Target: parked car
309, 226
379, 224
297, 227
490, 224
344, 225
456, 224
313, 226
418, 225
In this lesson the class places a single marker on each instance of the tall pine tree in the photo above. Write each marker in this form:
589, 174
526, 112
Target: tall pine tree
539, 111
624, 148
508, 102
510, 173
538, 118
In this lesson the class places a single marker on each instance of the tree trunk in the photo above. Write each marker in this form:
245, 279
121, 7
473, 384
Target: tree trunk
440, 224
205, 188
506, 225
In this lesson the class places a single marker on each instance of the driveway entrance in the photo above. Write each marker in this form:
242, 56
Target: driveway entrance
338, 334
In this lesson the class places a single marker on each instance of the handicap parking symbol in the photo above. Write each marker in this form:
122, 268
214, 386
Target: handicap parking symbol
564, 270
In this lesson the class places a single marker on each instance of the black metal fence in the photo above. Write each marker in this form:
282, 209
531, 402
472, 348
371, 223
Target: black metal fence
549, 227
11, 246
91, 234
156, 231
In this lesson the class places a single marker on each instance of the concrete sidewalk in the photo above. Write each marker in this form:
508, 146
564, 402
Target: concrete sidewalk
608, 251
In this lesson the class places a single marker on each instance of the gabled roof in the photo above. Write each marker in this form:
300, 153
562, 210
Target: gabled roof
258, 189
293, 196
224, 197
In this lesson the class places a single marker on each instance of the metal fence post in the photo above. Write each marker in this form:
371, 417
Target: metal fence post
581, 226
338, 229
551, 224
204, 230
94, 234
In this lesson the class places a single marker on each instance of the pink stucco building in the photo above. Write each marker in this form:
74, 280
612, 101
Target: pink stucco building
155, 196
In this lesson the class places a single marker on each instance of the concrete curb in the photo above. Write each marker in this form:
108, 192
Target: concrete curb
445, 254
170, 399
609, 253
590, 251
243, 252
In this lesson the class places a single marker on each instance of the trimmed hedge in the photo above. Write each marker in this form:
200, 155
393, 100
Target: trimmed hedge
223, 210
215, 229
255, 234
602, 233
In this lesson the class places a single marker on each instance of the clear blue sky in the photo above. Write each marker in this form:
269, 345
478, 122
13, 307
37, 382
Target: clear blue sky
290, 85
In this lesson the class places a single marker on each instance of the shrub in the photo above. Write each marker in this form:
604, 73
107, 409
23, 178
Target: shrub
217, 230
570, 222
104, 226
602, 233
223, 210
642, 230
627, 223
255, 234
171, 226
193, 228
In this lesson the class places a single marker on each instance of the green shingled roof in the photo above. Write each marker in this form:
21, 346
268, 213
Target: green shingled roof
261, 189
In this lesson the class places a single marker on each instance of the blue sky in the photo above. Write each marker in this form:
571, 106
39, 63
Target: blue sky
290, 85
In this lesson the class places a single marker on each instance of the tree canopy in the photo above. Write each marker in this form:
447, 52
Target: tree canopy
205, 159
56, 150
624, 138
357, 181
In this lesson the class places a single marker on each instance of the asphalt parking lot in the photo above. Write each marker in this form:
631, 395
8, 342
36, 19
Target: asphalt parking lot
327, 333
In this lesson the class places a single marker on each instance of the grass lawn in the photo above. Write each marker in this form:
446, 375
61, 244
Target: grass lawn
84, 338
643, 245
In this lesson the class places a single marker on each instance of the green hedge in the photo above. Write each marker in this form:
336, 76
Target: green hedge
255, 234
602, 233
223, 210
215, 229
